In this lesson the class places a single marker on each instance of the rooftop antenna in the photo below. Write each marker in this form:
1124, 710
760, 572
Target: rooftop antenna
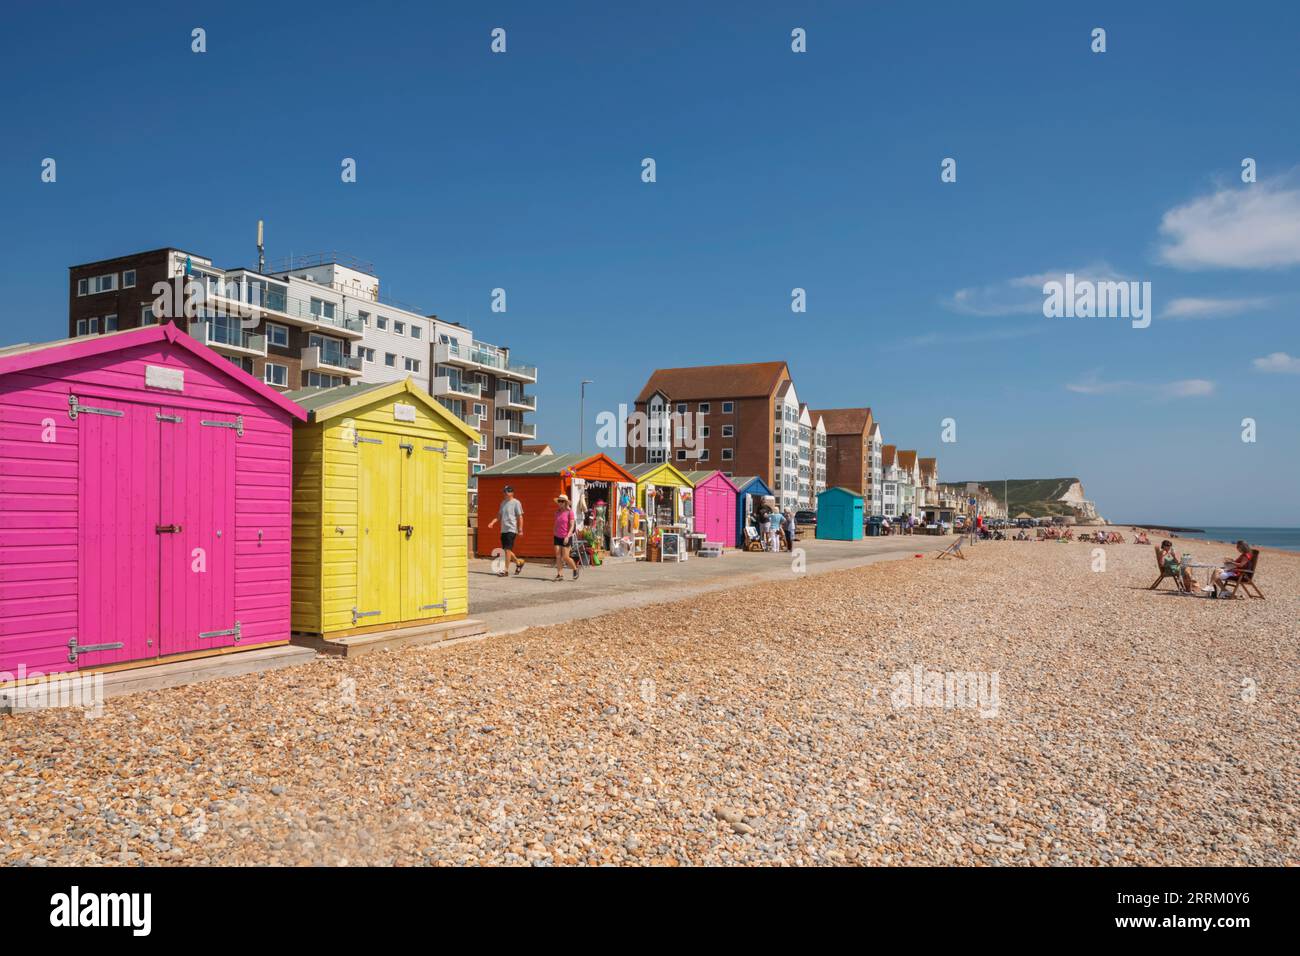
261, 249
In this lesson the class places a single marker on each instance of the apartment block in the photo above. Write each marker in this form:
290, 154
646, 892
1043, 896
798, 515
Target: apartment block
853, 453
318, 320
747, 419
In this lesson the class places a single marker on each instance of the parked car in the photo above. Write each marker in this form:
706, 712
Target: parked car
805, 519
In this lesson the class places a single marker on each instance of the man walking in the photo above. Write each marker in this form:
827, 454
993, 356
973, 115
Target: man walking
788, 528
511, 516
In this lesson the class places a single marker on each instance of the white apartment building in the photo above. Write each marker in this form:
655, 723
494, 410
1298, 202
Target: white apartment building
786, 447
819, 461
875, 442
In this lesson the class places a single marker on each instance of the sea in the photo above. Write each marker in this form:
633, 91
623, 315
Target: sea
1288, 539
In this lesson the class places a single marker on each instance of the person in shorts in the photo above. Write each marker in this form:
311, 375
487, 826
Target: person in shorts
511, 517
563, 538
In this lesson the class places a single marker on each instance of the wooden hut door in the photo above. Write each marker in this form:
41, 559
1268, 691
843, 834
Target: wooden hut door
117, 548
421, 570
195, 529
379, 501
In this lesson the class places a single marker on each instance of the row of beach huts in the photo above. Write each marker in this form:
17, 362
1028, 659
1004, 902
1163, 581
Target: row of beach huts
158, 503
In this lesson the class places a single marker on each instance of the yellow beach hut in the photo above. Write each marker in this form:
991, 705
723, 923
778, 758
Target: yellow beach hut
380, 507
664, 493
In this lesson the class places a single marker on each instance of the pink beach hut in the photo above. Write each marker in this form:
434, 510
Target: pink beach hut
715, 506
145, 503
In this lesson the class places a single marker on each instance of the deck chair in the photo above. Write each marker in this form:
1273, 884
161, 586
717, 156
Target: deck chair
1174, 576
1246, 580
952, 551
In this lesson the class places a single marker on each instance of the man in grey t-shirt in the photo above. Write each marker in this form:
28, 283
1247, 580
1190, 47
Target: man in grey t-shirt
511, 516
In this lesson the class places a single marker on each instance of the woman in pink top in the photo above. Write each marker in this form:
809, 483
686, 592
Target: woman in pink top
563, 538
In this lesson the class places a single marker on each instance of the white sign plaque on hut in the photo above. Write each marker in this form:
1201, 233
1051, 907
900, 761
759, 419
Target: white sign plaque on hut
157, 376
403, 413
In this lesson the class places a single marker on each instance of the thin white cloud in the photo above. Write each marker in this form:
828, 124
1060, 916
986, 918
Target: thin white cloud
1091, 384
1253, 226
1192, 307
1022, 295
968, 338
1278, 362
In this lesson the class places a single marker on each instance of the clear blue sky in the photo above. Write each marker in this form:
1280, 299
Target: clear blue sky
775, 170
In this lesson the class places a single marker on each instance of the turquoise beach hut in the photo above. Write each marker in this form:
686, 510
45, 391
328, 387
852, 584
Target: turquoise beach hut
839, 515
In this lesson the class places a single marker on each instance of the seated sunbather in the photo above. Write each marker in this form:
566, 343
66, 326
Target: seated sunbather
1169, 561
1232, 568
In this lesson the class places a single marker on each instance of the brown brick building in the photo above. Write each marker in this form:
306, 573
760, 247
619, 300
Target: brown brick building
849, 461
286, 340
740, 411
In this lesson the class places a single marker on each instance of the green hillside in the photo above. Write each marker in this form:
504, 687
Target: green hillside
1037, 496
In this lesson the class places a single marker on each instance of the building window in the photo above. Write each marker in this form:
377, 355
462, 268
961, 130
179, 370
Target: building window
277, 335
412, 365
147, 316
97, 284
480, 410
322, 309
110, 323
704, 431
728, 431
681, 408
241, 362
317, 380
367, 354
93, 326
703, 455
399, 328
681, 454
81, 326
728, 408
128, 279
390, 359
415, 331
727, 454
277, 375
381, 323
364, 317
656, 456
705, 407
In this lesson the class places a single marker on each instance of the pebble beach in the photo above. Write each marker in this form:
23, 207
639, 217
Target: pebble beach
773, 724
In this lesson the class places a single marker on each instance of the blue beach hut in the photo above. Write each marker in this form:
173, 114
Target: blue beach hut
750, 492
839, 515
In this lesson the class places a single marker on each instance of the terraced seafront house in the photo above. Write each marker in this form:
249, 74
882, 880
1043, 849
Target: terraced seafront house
910, 483
316, 321
743, 428
852, 452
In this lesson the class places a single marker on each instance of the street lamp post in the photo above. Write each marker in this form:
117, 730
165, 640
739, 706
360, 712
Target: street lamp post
582, 415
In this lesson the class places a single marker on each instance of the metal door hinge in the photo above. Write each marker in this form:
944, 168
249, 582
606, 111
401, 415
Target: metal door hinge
357, 615
237, 424
235, 631
357, 440
167, 529
74, 648
168, 418
431, 607
74, 409
440, 449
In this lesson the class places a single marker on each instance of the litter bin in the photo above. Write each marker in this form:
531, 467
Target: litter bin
873, 526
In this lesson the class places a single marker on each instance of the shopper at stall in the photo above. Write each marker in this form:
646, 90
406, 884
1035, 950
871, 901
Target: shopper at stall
563, 538
787, 526
511, 516
774, 530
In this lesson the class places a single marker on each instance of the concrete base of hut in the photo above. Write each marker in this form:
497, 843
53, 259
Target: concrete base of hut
368, 640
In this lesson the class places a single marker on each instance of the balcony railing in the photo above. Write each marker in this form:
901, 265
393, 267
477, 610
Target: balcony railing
506, 396
481, 355
447, 385
330, 361
278, 304
229, 337
513, 429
